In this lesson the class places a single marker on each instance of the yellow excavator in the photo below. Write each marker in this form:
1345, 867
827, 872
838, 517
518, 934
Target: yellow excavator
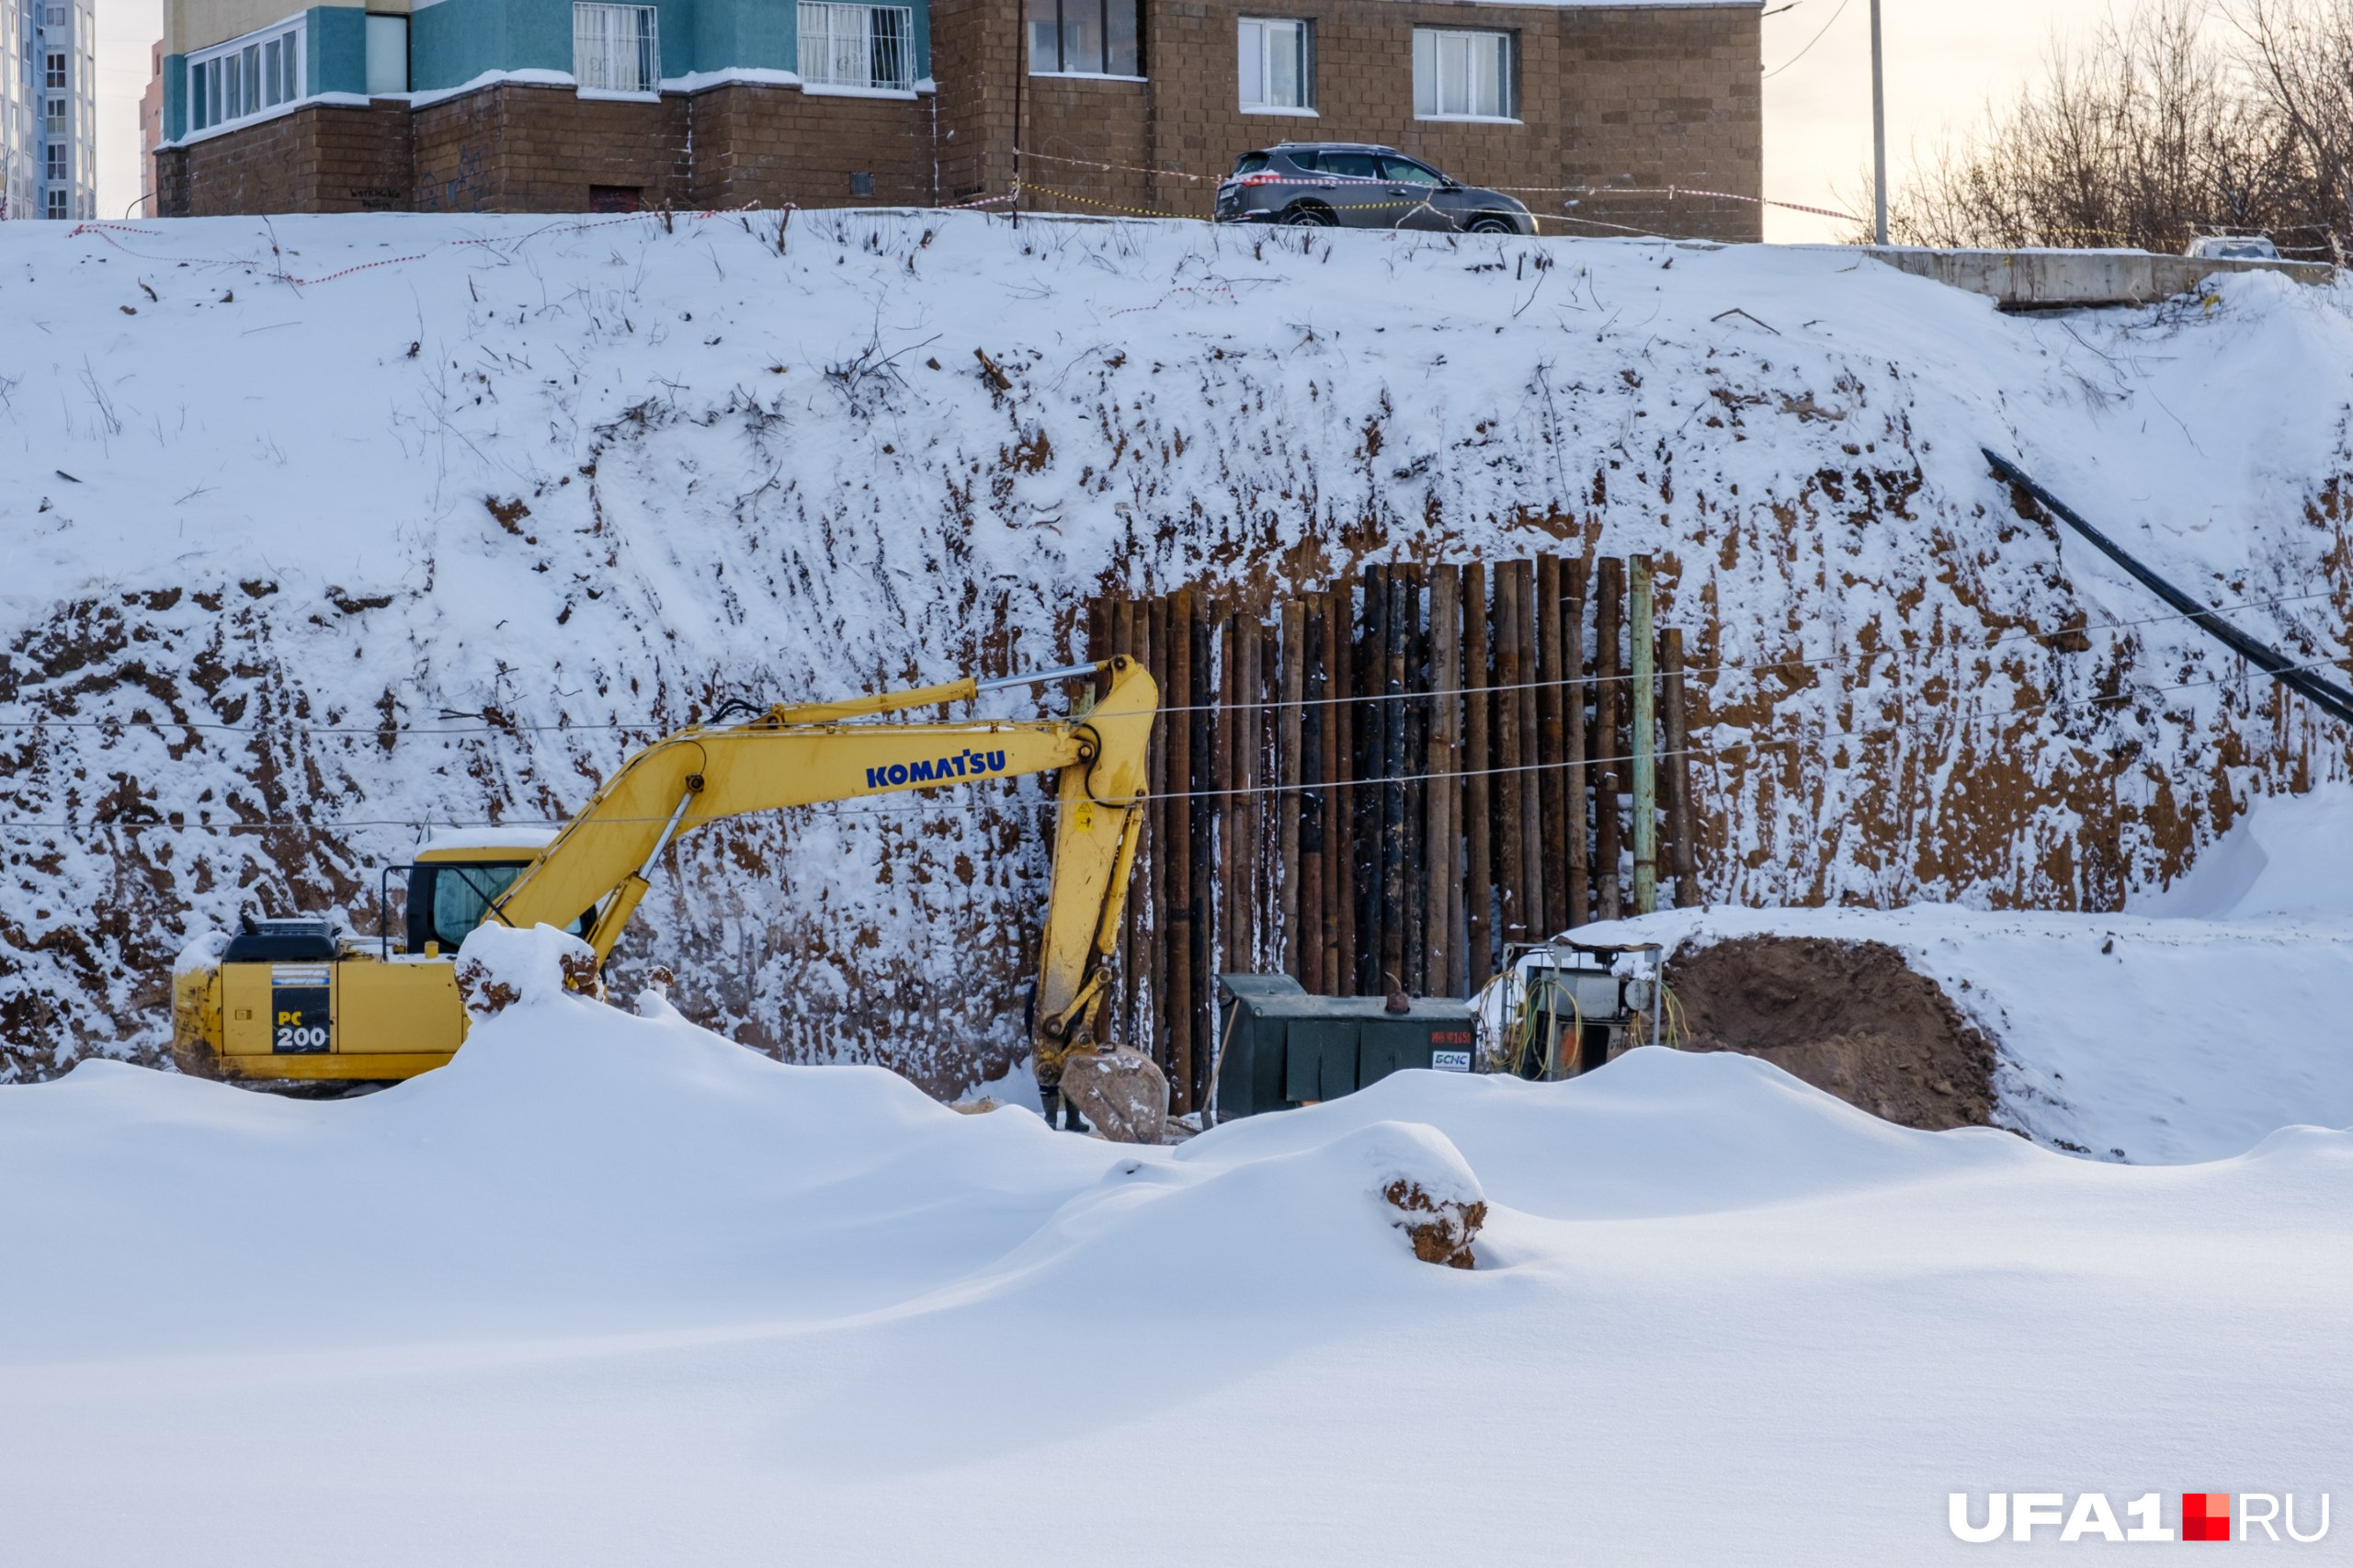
290, 1001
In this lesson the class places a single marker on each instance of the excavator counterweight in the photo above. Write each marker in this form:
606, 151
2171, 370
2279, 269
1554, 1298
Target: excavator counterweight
290, 1001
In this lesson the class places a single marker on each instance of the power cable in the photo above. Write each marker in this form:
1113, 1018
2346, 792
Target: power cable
1801, 53
962, 803
587, 727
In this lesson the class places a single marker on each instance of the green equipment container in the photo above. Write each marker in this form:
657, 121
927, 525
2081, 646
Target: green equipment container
1281, 1047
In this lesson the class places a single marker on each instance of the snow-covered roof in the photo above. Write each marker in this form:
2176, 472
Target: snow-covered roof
451, 838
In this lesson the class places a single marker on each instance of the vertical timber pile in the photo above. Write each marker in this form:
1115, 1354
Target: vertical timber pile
1531, 806
1287, 911
1392, 765
1607, 759
1441, 848
1551, 747
1511, 913
1681, 820
1575, 689
1178, 842
1314, 725
1645, 736
1201, 883
1339, 813
1386, 780
1415, 771
1478, 812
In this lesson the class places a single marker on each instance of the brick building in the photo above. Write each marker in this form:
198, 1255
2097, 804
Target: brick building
558, 106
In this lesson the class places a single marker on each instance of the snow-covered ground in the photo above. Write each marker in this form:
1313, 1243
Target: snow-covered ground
2186, 1032
335, 530
609, 1290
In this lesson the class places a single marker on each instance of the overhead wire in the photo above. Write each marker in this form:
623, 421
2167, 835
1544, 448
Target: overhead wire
375, 731
964, 803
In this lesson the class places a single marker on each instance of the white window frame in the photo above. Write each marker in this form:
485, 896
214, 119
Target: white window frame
1069, 24
247, 78
1449, 83
1260, 43
853, 47
615, 50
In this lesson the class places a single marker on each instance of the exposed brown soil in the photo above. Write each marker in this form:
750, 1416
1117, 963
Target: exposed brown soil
1849, 1018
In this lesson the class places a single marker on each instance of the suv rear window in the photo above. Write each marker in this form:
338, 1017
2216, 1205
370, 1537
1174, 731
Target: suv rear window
1250, 162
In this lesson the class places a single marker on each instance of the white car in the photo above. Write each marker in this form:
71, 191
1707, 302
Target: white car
2232, 247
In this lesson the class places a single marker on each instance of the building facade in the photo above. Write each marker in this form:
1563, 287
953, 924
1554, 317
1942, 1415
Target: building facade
1605, 117
48, 109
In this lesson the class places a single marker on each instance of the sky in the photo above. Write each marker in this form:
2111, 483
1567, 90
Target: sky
1943, 62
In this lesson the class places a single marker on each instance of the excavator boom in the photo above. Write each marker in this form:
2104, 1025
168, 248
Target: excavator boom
602, 859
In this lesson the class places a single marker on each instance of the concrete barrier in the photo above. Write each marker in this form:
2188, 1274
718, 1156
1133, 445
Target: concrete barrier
2064, 280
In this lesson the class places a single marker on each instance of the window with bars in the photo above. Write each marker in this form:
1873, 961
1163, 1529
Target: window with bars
1462, 76
244, 77
857, 46
1278, 64
616, 49
1084, 38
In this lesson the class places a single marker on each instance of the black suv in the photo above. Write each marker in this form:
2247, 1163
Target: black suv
1354, 185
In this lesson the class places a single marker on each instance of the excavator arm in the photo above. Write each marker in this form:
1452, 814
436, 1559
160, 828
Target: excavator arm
822, 752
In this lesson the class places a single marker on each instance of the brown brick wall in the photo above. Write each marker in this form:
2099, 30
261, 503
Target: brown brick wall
774, 145
1618, 96
513, 148
324, 158
1631, 95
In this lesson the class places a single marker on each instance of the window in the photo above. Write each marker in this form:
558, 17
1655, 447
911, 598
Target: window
244, 77
57, 169
1348, 165
1462, 76
56, 116
857, 46
387, 55
616, 49
57, 16
1404, 171
1277, 66
1084, 37
57, 204
57, 70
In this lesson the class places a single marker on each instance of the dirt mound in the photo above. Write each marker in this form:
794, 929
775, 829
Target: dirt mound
1849, 1018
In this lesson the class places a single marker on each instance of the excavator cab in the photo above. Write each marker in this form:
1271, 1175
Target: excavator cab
452, 885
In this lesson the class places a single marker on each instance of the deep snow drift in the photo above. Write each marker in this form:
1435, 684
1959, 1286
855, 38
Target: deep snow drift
2187, 1030
324, 532
608, 1289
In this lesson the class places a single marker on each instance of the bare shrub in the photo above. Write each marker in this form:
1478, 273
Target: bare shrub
2174, 121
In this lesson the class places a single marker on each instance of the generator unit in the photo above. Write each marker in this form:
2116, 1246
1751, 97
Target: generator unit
1280, 1046
1569, 1007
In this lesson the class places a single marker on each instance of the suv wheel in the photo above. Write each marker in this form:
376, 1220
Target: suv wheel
1491, 225
1308, 215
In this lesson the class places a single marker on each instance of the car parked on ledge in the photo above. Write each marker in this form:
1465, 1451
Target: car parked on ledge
1355, 185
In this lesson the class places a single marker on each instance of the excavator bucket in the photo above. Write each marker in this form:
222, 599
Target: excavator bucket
1121, 1092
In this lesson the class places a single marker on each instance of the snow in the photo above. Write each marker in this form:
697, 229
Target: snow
462, 838
2155, 1040
2290, 859
610, 1289
274, 592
